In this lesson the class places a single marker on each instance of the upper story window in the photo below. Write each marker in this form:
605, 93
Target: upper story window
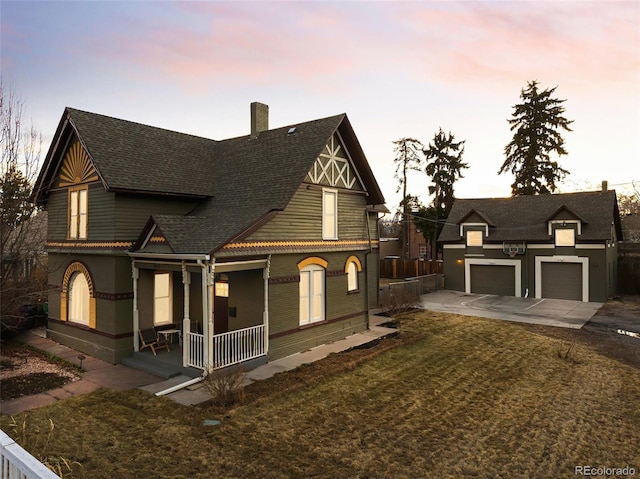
565, 236
78, 207
474, 238
329, 214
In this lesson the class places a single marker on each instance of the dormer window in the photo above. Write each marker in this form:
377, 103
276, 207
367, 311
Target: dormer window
565, 236
474, 238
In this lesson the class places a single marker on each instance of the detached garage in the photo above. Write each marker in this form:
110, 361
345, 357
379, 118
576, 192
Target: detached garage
560, 246
495, 276
561, 277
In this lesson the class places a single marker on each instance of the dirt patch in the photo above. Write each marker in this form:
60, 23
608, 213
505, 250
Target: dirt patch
606, 331
25, 371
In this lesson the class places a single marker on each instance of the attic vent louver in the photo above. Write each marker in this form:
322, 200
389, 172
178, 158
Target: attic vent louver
291, 131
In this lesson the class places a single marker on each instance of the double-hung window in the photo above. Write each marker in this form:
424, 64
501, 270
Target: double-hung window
329, 214
78, 206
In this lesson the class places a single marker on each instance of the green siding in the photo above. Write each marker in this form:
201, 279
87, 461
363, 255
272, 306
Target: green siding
373, 277
110, 275
101, 214
284, 305
302, 218
57, 214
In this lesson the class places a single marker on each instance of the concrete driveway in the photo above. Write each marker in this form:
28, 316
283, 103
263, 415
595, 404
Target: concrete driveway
561, 313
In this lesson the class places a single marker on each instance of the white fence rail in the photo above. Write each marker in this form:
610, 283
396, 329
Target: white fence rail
196, 350
237, 346
19, 464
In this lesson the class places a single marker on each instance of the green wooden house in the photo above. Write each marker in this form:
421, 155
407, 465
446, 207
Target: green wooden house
254, 247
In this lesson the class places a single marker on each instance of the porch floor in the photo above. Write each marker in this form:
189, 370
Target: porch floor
166, 364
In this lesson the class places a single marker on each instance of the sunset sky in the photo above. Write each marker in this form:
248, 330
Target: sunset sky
396, 68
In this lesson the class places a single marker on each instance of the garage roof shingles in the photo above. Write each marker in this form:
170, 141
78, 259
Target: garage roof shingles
524, 218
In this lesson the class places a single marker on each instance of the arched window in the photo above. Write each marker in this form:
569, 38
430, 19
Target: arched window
78, 299
352, 276
312, 290
352, 267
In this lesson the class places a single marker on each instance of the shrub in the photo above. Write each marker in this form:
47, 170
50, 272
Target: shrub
226, 386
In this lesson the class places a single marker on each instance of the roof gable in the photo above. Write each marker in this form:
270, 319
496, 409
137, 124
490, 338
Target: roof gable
564, 213
334, 167
474, 214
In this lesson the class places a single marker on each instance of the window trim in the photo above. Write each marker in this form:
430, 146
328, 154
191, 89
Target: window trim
75, 199
325, 193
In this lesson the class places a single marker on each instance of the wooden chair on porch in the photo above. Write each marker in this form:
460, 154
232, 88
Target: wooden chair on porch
149, 339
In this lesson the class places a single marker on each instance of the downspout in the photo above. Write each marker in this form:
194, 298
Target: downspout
135, 274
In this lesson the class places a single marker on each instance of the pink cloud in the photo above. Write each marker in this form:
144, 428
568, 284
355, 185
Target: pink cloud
321, 44
498, 42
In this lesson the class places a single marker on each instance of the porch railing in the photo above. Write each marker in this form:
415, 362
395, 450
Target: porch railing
18, 463
237, 346
196, 350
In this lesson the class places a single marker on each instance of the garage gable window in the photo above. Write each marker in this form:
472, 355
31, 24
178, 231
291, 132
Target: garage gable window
474, 238
565, 237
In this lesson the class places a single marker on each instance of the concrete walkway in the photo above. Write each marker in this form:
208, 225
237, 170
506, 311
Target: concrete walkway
118, 377
560, 313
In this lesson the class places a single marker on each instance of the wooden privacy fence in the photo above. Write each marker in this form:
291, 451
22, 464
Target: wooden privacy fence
402, 295
395, 268
629, 268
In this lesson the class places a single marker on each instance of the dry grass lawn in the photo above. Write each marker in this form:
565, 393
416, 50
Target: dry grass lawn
458, 397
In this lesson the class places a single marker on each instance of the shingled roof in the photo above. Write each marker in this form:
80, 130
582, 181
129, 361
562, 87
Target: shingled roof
524, 218
241, 180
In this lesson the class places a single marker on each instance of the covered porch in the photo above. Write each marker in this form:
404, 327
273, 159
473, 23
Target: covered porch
220, 308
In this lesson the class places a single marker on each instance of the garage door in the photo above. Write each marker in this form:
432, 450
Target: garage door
562, 281
493, 279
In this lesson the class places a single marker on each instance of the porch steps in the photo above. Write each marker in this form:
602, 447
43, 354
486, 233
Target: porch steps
158, 367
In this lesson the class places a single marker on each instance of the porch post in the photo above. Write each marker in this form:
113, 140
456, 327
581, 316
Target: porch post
205, 312
265, 314
135, 273
210, 297
186, 321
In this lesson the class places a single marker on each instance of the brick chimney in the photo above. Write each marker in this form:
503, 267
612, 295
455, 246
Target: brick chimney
605, 185
259, 118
